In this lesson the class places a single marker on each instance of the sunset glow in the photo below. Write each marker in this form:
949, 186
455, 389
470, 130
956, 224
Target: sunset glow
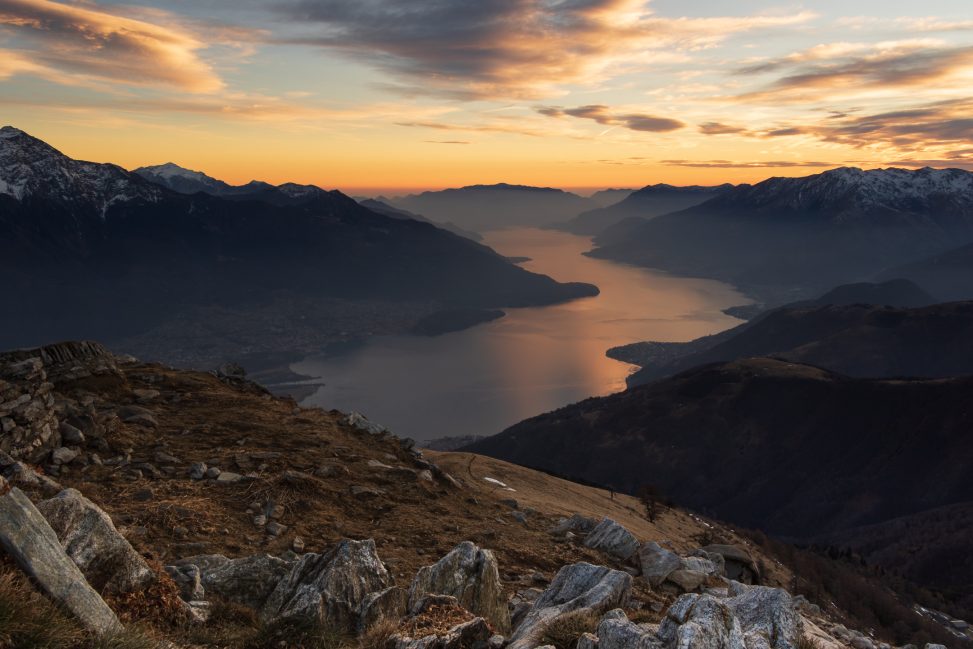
383, 96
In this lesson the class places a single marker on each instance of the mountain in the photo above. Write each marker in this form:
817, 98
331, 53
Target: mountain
282, 526
949, 274
186, 181
792, 449
858, 329
380, 207
646, 203
491, 207
93, 249
802, 235
606, 197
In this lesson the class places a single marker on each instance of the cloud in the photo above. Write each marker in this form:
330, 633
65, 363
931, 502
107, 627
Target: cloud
503, 48
730, 164
92, 41
446, 142
899, 65
604, 115
718, 128
474, 128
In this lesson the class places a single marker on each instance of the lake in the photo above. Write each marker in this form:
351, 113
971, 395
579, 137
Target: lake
484, 379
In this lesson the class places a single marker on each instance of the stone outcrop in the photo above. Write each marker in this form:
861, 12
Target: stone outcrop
28, 539
329, 586
248, 581
615, 631
469, 574
613, 539
739, 565
390, 604
657, 563
88, 536
580, 586
28, 424
768, 617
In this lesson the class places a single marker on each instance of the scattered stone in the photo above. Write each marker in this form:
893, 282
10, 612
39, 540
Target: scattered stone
361, 491
577, 524
29, 540
189, 580
228, 477
198, 470
275, 529
162, 457
297, 545
71, 435
63, 455
259, 520
360, 422
469, 574
613, 539
213, 472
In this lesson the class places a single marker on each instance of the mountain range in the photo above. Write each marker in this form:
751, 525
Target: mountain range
788, 238
96, 250
491, 207
646, 203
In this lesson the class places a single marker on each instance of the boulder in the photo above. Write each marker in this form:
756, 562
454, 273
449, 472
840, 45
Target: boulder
687, 581
657, 563
389, 604
768, 616
738, 564
88, 536
615, 631
329, 586
248, 580
580, 586
471, 576
701, 622
703, 565
189, 580
613, 539
29, 540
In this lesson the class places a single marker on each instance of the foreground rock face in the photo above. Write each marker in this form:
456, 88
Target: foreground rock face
329, 586
88, 536
33, 545
581, 586
657, 563
471, 576
247, 581
611, 538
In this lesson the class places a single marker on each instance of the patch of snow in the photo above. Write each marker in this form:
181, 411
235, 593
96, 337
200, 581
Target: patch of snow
495, 481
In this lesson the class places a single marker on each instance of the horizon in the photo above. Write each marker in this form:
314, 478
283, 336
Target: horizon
598, 93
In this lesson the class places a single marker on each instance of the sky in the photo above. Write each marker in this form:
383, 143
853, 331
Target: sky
385, 96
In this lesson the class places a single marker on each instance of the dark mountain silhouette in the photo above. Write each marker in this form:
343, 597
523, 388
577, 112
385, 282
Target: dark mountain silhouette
91, 249
806, 233
949, 274
606, 197
491, 207
645, 203
380, 207
789, 448
855, 339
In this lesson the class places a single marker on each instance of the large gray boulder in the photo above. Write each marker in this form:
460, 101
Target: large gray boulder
613, 539
738, 564
469, 574
29, 540
88, 535
657, 563
329, 586
701, 622
768, 616
616, 631
389, 604
248, 581
580, 586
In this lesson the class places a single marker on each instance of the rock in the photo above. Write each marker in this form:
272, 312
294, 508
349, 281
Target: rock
329, 587
613, 539
390, 604
275, 529
935, 646
70, 434
259, 520
228, 477
657, 563
198, 471
471, 575
699, 564
213, 472
687, 581
360, 422
247, 581
162, 457
510, 502
580, 586
63, 455
88, 536
587, 641
768, 617
577, 524
189, 580
701, 622
230, 371
424, 476
474, 634
739, 565
29, 540
297, 545
361, 491
615, 631
520, 517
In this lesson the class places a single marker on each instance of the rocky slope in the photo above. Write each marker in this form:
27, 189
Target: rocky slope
215, 515
810, 233
491, 207
122, 255
862, 340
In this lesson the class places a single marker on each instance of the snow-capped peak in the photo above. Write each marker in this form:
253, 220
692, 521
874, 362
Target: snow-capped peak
172, 170
8, 132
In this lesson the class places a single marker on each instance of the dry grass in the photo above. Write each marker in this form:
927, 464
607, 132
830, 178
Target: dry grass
563, 632
379, 635
805, 642
438, 619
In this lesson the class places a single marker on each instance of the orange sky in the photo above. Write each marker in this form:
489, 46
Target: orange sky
381, 96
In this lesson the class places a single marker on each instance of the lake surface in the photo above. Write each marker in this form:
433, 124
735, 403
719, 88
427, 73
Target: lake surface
482, 380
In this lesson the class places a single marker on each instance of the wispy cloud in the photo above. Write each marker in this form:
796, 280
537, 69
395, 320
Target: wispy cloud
605, 116
757, 164
97, 42
504, 48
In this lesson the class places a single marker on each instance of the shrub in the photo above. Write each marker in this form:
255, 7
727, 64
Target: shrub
563, 632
